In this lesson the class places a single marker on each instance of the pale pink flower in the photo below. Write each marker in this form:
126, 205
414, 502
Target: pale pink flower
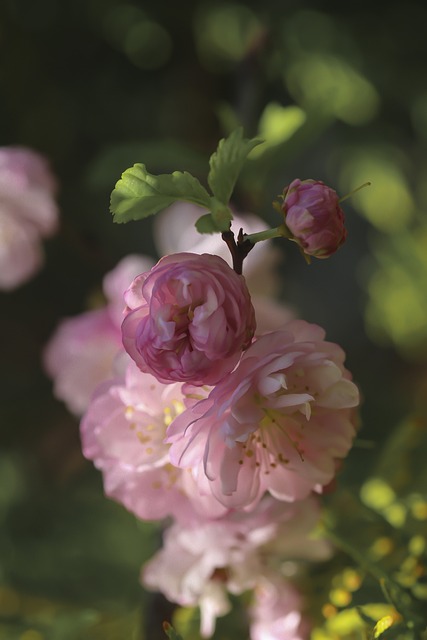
80, 355
21, 254
28, 213
189, 319
22, 168
199, 564
314, 217
279, 422
123, 432
82, 350
204, 560
276, 612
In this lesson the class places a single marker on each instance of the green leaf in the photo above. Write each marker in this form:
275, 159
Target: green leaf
217, 220
139, 194
221, 214
206, 224
227, 162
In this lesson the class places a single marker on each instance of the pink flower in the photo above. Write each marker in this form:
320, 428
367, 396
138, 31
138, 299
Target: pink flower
28, 213
279, 422
123, 432
200, 563
314, 217
205, 559
189, 319
82, 350
276, 612
22, 169
79, 355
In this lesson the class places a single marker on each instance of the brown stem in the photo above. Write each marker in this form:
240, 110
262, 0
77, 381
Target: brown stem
239, 250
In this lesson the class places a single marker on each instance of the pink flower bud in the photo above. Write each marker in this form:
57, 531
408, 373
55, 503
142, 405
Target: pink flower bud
314, 217
189, 319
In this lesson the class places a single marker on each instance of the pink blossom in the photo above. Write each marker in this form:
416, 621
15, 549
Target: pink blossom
123, 432
83, 348
79, 355
189, 319
279, 422
203, 560
201, 563
28, 213
276, 612
22, 169
314, 217
21, 254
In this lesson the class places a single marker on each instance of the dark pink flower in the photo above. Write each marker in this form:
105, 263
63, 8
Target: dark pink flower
189, 319
314, 217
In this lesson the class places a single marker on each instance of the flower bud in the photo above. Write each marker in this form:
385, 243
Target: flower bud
314, 217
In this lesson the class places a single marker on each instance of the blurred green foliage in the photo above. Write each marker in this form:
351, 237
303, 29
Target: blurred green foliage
339, 92
390, 516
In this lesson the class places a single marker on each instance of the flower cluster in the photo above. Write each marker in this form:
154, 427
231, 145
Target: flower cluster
28, 213
221, 412
82, 351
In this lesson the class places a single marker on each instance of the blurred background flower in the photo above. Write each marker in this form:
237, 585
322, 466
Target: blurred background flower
28, 213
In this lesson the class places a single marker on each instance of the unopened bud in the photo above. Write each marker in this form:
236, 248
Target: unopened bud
314, 217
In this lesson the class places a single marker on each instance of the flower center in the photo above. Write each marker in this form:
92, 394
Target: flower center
153, 433
280, 432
